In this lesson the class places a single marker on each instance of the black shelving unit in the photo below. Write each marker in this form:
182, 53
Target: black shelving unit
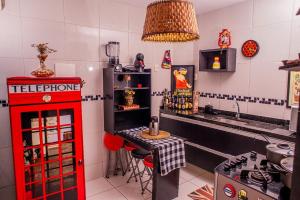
114, 87
227, 60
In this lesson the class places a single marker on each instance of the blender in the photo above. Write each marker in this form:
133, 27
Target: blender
112, 50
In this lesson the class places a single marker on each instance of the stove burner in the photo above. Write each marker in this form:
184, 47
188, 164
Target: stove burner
283, 146
260, 177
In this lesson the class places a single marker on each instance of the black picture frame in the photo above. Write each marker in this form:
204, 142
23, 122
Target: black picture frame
189, 76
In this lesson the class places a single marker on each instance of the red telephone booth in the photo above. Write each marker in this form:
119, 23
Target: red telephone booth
46, 128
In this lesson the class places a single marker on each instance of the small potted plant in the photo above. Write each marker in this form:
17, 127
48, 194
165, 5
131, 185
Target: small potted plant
129, 97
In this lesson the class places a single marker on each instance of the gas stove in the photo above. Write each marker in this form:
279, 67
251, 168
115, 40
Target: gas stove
249, 177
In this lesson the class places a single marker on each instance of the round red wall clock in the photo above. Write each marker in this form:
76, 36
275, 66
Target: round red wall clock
250, 48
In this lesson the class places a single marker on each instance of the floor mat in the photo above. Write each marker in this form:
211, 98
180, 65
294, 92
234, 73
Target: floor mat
204, 193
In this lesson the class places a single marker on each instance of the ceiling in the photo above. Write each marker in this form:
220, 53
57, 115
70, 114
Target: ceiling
202, 6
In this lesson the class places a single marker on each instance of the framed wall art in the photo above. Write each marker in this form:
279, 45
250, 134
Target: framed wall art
182, 78
293, 92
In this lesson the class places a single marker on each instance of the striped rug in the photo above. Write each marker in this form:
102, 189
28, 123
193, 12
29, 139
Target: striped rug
204, 193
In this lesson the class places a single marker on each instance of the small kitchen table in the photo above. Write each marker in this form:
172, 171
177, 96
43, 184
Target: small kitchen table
163, 187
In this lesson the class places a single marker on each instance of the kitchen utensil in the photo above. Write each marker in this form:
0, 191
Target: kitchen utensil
153, 126
276, 152
112, 50
294, 118
209, 109
287, 164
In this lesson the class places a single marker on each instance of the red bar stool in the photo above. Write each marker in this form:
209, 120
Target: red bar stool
113, 143
148, 162
129, 147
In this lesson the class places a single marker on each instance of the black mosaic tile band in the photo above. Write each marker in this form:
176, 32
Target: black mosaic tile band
270, 101
277, 102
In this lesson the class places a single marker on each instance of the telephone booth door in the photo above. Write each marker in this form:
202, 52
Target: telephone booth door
48, 151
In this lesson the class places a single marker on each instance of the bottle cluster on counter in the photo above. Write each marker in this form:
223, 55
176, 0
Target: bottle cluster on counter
178, 100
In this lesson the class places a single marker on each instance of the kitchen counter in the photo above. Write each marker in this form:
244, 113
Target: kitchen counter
275, 129
212, 139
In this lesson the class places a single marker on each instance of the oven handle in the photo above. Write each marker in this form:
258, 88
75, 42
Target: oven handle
224, 155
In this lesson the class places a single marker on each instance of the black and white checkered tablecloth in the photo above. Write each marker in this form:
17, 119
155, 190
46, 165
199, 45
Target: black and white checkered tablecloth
171, 150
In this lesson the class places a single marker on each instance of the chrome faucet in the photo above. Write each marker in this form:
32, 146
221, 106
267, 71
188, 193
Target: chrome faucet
237, 114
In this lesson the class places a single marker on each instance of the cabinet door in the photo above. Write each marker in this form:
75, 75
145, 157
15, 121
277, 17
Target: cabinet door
48, 151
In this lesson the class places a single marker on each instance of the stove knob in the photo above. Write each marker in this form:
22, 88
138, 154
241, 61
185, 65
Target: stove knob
244, 159
233, 164
239, 162
253, 155
227, 167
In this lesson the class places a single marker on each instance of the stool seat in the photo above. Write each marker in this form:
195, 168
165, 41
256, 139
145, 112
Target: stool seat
148, 161
139, 153
129, 147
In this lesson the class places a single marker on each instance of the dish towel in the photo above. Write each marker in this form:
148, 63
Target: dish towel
171, 150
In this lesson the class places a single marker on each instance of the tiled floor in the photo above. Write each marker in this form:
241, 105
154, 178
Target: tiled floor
116, 188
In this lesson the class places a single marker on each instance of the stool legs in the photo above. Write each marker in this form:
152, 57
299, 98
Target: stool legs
129, 162
133, 173
118, 160
108, 165
144, 188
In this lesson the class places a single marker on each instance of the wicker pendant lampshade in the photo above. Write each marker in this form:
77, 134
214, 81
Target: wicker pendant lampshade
170, 21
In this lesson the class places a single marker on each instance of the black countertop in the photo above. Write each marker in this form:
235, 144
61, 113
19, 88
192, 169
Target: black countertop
271, 128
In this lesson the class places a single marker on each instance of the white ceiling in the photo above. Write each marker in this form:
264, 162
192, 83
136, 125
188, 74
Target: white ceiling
202, 6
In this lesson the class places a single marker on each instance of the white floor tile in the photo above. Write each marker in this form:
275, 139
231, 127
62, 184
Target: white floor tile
132, 191
108, 195
191, 172
119, 180
97, 186
185, 189
207, 178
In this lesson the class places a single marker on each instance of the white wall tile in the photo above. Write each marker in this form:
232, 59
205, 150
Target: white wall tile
209, 101
91, 73
92, 144
273, 111
295, 40
11, 67
41, 31
46, 9
114, 15
93, 171
5, 135
266, 37
82, 12
272, 11
209, 82
119, 36
12, 7
81, 43
10, 36
230, 105
183, 53
136, 45
267, 81
6, 170
236, 83
137, 18
238, 15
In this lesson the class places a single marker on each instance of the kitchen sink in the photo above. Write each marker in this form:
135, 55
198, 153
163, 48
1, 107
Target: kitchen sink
242, 122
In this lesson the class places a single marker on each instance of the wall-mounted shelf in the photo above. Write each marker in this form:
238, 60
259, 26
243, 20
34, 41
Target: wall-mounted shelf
114, 86
227, 60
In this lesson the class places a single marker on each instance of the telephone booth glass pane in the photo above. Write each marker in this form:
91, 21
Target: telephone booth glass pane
48, 138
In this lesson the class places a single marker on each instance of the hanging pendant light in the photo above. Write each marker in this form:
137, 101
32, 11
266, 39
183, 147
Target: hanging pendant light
170, 21
298, 13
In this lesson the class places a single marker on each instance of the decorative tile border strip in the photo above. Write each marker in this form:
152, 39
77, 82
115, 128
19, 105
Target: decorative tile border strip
269, 101
277, 102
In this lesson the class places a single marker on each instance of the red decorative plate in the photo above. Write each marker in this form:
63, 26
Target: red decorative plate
250, 48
